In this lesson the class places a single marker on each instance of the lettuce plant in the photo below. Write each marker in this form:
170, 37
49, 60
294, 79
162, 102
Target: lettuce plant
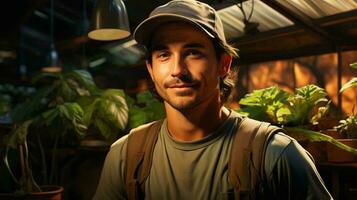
294, 112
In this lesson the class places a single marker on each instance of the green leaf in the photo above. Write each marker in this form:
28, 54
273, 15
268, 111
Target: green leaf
89, 109
83, 78
70, 116
137, 117
18, 135
106, 130
266, 104
31, 108
350, 83
113, 108
304, 101
348, 127
354, 65
144, 109
317, 137
322, 112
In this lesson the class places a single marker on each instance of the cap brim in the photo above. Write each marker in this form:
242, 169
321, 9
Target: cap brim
144, 30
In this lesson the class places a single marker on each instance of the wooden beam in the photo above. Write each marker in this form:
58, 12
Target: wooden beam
299, 18
250, 58
340, 18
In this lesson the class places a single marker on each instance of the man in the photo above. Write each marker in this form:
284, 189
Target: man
188, 61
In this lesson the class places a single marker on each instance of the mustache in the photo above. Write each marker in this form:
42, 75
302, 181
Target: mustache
183, 80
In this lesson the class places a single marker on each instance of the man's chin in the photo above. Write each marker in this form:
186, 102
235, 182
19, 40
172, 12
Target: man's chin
183, 105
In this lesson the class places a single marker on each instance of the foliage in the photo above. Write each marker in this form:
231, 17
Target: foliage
348, 127
277, 106
350, 83
107, 110
295, 111
301, 134
56, 89
145, 108
11, 95
266, 104
64, 103
302, 104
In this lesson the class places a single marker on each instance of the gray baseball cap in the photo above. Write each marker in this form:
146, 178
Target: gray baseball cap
199, 14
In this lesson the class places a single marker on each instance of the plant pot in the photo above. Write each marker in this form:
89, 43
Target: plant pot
333, 133
335, 154
316, 149
48, 193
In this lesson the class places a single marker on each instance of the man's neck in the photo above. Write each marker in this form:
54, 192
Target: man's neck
196, 123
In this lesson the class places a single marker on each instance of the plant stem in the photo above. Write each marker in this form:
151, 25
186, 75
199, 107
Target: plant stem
53, 161
23, 162
43, 161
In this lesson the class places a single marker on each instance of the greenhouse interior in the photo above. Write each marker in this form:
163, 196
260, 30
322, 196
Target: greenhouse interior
75, 82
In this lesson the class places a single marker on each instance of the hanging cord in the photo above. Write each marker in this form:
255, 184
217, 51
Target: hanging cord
240, 6
51, 23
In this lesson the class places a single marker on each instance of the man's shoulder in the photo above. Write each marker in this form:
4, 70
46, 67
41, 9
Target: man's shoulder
122, 142
282, 147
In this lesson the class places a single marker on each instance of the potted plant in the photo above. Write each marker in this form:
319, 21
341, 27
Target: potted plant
297, 113
58, 114
347, 128
106, 115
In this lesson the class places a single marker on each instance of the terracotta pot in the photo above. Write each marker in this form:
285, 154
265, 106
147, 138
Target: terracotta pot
48, 193
335, 154
333, 133
316, 149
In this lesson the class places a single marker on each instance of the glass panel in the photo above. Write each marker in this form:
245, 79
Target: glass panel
321, 8
293, 73
267, 18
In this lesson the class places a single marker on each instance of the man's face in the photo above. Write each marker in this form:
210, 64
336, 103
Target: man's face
184, 66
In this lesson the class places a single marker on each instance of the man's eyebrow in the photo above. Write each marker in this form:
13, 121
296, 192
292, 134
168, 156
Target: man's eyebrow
194, 45
158, 47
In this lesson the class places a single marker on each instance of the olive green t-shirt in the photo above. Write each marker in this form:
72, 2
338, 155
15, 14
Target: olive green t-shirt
198, 169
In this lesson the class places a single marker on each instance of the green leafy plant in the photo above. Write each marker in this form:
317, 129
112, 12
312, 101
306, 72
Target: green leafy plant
63, 107
144, 108
348, 127
303, 104
266, 104
295, 112
107, 111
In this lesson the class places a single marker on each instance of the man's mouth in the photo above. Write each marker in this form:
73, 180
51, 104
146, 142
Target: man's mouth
183, 85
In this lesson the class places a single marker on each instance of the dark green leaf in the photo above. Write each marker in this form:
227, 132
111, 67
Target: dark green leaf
318, 137
83, 78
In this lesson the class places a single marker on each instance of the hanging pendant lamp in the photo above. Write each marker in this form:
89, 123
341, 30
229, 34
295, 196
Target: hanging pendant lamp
109, 21
52, 65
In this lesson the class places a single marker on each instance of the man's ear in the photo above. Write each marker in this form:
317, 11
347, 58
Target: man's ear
149, 67
225, 65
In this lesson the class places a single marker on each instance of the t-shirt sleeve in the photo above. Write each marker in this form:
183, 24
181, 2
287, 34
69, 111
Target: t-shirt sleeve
111, 184
291, 172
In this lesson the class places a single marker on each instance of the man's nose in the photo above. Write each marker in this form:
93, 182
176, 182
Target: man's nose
179, 67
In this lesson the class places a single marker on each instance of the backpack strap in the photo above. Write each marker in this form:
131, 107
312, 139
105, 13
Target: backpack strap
140, 148
246, 163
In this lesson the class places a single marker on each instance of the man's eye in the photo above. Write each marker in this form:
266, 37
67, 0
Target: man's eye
162, 55
194, 53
